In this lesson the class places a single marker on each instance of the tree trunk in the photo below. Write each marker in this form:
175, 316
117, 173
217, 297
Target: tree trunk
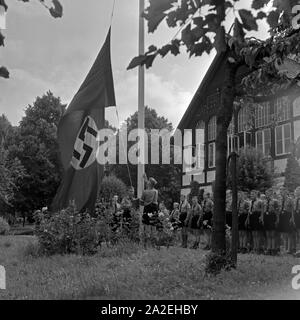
224, 116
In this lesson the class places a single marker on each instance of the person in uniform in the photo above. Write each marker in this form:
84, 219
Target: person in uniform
207, 206
174, 216
296, 212
149, 200
271, 209
194, 221
243, 209
115, 223
285, 220
228, 218
126, 206
255, 219
184, 208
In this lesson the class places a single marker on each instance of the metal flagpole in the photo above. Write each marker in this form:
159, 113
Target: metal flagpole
141, 101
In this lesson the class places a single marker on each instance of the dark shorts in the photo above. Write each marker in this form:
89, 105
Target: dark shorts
270, 221
194, 223
207, 217
284, 224
254, 222
182, 218
297, 220
242, 220
229, 218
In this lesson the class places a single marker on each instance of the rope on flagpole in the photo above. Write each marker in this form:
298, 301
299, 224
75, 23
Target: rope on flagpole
122, 142
112, 12
116, 108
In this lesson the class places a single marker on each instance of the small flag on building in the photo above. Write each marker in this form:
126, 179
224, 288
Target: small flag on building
77, 135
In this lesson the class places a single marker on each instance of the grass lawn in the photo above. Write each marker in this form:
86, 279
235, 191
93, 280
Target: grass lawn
129, 272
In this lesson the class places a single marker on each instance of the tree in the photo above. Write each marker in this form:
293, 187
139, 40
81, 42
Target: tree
254, 173
5, 128
34, 143
56, 11
167, 176
11, 170
292, 174
202, 29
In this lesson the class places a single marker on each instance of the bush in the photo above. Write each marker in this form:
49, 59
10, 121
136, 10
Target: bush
255, 172
67, 231
111, 186
109, 230
4, 226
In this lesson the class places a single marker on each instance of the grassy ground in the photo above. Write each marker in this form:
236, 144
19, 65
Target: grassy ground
129, 272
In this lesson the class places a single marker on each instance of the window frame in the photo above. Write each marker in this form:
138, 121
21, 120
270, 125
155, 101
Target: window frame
212, 129
262, 114
286, 111
283, 140
263, 139
213, 155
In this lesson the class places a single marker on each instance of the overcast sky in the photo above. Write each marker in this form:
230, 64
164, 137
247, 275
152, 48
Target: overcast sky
43, 53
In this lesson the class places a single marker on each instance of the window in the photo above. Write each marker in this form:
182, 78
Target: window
282, 109
245, 139
262, 114
244, 119
283, 139
263, 141
230, 130
200, 141
212, 128
211, 155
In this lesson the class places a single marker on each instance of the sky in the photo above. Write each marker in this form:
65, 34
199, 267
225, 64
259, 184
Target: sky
43, 53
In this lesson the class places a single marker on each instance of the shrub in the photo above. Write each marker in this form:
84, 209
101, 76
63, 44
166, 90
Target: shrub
111, 186
4, 226
67, 231
254, 171
292, 174
109, 229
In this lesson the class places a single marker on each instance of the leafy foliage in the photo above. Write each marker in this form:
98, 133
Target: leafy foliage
254, 174
167, 175
34, 143
56, 11
111, 186
109, 228
67, 231
201, 29
4, 226
292, 174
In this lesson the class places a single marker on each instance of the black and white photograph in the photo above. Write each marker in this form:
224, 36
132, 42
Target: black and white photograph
149, 154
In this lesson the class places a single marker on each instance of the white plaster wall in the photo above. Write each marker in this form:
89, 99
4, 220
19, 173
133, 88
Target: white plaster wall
185, 191
211, 176
199, 178
296, 107
186, 180
296, 130
280, 165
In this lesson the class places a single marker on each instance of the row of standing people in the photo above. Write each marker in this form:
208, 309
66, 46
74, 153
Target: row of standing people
264, 220
267, 220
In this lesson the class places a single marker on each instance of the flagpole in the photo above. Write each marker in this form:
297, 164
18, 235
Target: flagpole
141, 100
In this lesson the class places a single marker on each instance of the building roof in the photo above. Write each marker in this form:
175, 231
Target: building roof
201, 91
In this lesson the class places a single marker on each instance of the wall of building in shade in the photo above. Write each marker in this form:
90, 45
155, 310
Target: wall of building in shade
273, 138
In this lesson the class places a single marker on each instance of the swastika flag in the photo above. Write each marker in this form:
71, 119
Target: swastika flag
77, 135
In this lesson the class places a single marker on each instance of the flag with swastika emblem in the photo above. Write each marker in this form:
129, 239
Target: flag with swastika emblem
77, 135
